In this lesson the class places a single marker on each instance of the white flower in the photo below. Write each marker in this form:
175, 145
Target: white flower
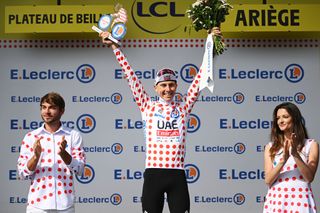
197, 3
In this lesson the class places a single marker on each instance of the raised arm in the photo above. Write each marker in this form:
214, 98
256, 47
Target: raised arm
193, 91
138, 91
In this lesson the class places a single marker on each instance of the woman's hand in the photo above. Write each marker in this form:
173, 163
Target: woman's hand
286, 152
294, 147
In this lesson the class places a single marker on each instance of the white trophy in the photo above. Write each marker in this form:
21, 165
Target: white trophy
116, 22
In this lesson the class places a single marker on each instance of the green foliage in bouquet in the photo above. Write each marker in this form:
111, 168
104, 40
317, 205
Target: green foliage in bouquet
207, 14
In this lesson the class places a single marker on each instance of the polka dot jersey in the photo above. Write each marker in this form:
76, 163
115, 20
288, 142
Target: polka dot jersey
52, 184
165, 123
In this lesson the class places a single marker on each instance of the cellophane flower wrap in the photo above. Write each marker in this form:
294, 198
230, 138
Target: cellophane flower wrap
207, 14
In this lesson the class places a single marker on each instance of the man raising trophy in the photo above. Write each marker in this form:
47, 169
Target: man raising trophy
165, 147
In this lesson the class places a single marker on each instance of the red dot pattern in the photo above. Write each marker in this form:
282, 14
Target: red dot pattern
165, 122
290, 193
52, 182
157, 43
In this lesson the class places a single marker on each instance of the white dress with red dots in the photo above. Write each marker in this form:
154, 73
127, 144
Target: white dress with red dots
165, 123
52, 181
290, 193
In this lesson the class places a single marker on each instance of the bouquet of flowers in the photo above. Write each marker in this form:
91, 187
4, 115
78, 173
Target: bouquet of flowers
207, 14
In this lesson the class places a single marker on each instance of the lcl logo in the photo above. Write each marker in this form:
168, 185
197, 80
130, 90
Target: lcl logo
146, 15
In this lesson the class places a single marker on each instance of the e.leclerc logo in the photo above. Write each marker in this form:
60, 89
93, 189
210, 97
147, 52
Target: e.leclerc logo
237, 199
238, 148
87, 175
193, 123
236, 174
115, 199
85, 73
298, 98
192, 173
234, 123
146, 13
188, 72
115, 148
86, 123
115, 98
293, 73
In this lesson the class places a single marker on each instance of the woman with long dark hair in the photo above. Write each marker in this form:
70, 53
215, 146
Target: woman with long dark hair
290, 163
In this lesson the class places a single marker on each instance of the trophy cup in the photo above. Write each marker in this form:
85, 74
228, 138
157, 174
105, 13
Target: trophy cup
117, 22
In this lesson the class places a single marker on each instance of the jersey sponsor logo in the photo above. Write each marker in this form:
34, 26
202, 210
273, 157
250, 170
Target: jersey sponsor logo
175, 113
167, 128
168, 133
87, 175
